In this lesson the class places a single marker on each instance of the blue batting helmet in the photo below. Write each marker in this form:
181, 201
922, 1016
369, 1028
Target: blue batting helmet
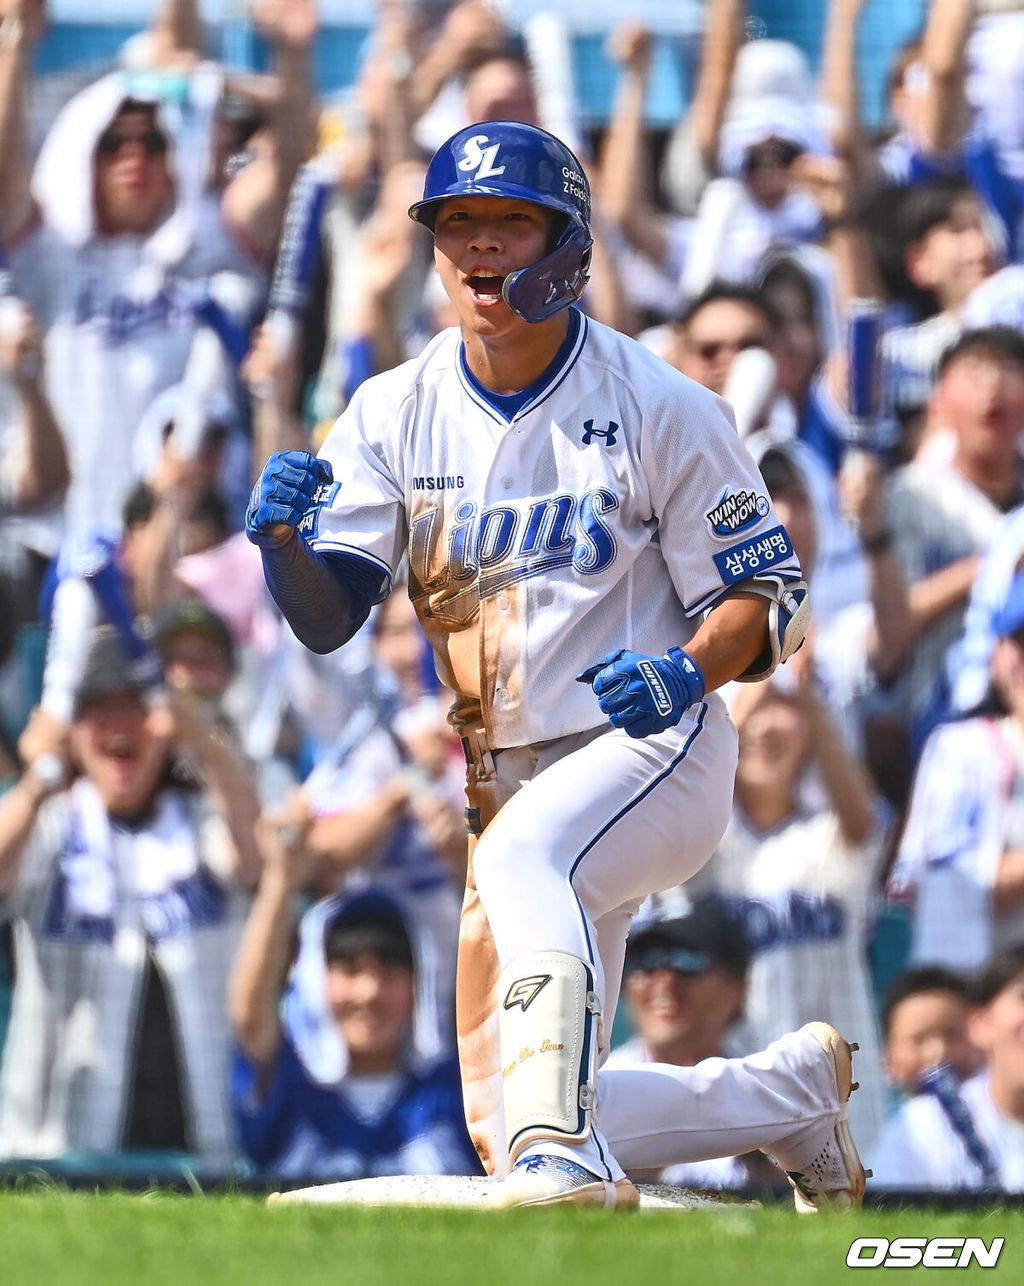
509, 159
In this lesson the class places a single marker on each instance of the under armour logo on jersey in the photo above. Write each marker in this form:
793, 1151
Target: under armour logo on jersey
590, 433
479, 158
525, 991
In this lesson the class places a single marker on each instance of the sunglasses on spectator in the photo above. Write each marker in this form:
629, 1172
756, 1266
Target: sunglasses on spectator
111, 141
710, 349
678, 959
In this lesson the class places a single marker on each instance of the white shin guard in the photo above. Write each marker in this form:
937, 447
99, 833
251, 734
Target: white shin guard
547, 1022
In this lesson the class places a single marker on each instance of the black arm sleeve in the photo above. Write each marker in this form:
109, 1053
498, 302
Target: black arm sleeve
325, 598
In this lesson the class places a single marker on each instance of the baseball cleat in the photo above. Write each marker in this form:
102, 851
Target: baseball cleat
543, 1180
835, 1178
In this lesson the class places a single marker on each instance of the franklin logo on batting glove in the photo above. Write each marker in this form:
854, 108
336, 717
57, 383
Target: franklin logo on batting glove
644, 695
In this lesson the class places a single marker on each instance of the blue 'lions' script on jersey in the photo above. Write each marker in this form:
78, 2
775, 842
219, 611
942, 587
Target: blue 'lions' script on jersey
512, 543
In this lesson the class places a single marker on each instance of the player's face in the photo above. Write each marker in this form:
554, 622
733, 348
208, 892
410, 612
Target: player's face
133, 180
928, 1028
478, 241
714, 338
114, 744
372, 1003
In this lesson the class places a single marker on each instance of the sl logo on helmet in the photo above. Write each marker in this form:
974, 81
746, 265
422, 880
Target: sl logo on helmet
477, 157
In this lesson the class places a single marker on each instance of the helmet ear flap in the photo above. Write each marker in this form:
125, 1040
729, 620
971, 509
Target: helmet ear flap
544, 288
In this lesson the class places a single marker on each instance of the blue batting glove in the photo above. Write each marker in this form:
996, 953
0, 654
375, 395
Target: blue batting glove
282, 494
645, 694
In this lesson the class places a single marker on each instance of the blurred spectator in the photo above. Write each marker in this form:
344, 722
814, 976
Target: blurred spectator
807, 293
469, 34
135, 579
332, 1083
196, 649
722, 322
805, 497
389, 809
117, 242
961, 859
748, 95
653, 244
948, 251
499, 87
968, 1138
198, 658
924, 1018
943, 511
685, 987
123, 887
685, 981
968, 663
754, 113
34, 466
33, 462
753, 142
800, 877
927, 101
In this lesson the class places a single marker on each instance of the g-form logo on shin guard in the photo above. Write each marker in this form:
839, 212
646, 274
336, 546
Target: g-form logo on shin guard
525, 991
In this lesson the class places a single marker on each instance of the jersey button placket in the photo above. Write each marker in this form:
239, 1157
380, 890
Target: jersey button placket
496, 659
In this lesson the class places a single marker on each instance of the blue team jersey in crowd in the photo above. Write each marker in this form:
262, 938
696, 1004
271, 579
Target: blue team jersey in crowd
299, 1128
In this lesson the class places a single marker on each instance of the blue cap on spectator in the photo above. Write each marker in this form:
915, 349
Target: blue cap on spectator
1010, 617
708, 936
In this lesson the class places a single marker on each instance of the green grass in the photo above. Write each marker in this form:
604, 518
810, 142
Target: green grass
56, 1237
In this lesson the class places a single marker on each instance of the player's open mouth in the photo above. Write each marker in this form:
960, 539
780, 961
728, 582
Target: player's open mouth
485, 289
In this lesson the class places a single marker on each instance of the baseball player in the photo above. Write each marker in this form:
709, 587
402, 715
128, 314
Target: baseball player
591, 553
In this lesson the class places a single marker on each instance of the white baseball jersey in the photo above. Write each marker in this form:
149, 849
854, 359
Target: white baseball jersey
119, 328
610, 511
92, 900
960, 825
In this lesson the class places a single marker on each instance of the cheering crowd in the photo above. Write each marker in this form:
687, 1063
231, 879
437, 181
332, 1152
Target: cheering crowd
231, 869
